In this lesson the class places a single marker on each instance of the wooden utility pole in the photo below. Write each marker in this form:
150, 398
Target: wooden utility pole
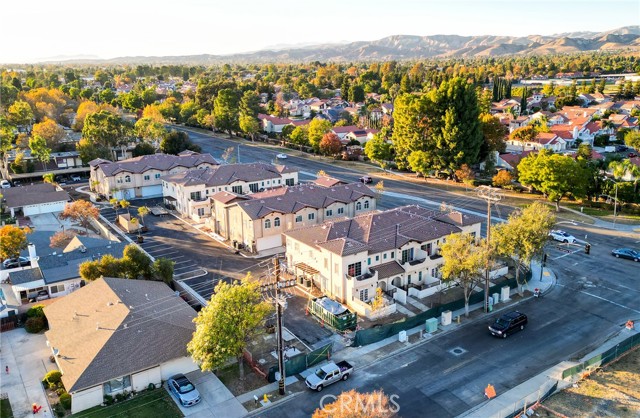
279, 303
490, 195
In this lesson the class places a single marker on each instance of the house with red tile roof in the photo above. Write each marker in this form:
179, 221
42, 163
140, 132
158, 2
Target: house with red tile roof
544, 140
273, 124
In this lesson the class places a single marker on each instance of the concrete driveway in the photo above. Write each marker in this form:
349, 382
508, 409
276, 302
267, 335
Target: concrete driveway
217, 400
27, 356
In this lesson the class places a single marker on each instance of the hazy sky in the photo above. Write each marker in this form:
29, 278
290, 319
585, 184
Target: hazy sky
41, 29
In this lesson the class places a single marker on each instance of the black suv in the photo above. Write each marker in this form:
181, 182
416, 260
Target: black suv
508, 323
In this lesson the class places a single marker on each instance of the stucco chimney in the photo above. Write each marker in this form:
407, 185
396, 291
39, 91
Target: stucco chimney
32, 255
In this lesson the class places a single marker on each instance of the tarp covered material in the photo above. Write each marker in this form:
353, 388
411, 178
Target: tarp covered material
331, 305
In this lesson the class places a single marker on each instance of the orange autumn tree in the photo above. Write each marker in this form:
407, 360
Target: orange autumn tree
80, 211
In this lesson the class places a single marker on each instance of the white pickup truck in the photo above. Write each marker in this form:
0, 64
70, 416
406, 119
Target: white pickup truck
328, 374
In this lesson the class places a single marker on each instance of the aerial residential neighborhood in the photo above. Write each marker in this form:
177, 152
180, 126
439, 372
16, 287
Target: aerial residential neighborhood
436, 215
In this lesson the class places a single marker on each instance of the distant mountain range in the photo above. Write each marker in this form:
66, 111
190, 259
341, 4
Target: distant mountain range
407, 47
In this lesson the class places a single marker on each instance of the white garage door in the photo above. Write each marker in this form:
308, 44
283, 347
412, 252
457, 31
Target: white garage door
269, 242
43, 208
148, 191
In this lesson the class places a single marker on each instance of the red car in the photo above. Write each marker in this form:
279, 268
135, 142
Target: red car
632, 155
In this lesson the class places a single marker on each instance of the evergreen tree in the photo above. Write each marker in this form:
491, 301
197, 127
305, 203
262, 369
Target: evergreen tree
408, 130
344, 89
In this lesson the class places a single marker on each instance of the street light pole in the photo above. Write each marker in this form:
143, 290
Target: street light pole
615, 206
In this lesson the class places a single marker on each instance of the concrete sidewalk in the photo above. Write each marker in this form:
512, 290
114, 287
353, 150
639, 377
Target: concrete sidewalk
27, 356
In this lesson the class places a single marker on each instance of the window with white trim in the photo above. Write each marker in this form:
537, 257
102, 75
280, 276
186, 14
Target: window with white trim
276, 222
364, 295
267, 223
311, 216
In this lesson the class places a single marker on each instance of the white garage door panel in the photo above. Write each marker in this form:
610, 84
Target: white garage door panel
43, 208
182, 365
269, 242
152, 190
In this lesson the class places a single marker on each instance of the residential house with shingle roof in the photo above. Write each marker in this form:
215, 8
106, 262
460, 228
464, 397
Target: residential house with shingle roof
116, 335
544, 140
257, 221
139, 177
57, 274
189, 191
394, 250
35, 199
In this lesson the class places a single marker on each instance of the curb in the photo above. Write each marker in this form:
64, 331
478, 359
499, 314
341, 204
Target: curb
393, 353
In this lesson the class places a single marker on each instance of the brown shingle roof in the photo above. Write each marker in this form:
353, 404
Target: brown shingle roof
305, 195
379, 231
226, 174
114, 327
388, 269
161, 162
17, 197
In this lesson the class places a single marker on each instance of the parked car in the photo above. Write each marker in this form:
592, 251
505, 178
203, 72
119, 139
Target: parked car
76, 178
281, 156
184, 390
37, 297
11, 263
508, 323
366, 179
621, 148
562, 236
4, 184
329, 374
632, 155
628, 253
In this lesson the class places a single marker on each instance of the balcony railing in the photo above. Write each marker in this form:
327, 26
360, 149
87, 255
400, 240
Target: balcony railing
365, 276
416, 261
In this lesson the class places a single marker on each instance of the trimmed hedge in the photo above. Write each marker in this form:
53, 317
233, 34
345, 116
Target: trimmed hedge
34, 325
65, 401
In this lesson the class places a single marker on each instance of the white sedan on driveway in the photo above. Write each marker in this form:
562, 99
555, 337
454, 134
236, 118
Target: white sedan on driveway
562, 236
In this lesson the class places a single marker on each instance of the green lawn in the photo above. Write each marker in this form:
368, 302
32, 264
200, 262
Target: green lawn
5, 409
154, 404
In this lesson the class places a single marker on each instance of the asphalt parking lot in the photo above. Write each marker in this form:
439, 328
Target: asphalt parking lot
201, 262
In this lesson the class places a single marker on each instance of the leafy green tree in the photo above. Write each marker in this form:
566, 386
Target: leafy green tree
493, 134
163, 270
88, 151
621, 169
225, 111
525, 134
38, 146
378, 149
454, 125
356, 93
632, 139
464, 262
142, 212
554, 175
143, 148
124, 204
149, 129
177, 141
227, 323
104, 129
135, 262
316, 130
523, 236
49, 178
299, 136
12, 241
408, 127
7, 133
20, 113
